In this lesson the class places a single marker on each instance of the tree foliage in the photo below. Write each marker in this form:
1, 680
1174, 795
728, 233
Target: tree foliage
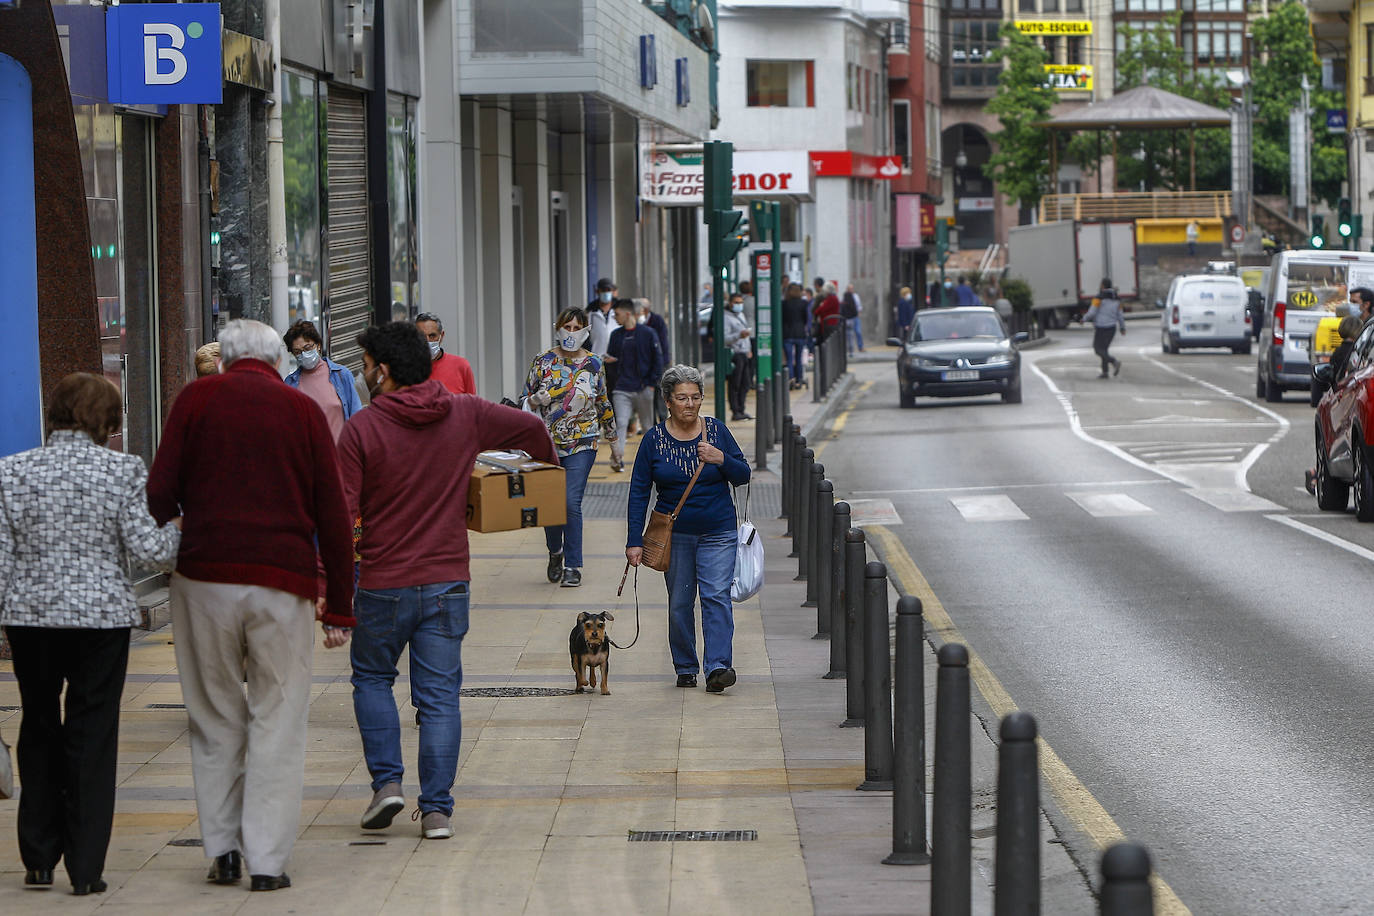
1020, 165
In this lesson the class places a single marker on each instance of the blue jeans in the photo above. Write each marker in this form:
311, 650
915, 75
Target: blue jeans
856, 334
794, 348
432, 620
704, 564
567, 539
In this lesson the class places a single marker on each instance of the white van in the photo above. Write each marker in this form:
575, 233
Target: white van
1303, 287
1205, 310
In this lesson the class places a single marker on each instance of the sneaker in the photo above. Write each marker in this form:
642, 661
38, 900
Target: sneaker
387, 802
555, 570
686, 680
572, 578
1102, 375
1116, 367
435, 826
718, 680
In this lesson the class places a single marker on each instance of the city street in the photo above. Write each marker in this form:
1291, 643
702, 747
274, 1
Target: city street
1138, 565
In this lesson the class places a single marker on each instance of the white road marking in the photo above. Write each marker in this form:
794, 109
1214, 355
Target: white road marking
1232, 499
1326, 536
1109, 505
996, 508
872, 512
1012, 486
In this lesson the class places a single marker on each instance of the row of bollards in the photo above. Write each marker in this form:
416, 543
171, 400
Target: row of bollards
851, 600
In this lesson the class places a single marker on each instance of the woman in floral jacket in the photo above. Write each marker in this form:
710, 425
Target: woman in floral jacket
72, 516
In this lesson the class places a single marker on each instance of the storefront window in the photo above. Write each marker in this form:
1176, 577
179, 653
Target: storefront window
401, 183
303, 110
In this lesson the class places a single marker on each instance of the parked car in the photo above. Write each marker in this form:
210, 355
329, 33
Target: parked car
958, 352
1345, 432
1303, 287
1205, 310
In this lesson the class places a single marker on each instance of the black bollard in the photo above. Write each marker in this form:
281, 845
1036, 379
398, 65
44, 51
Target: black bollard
855, 557
810, 536
794, 469
1126, 887
877, 683
785, 472
820, 555
800, 504
952, 805
763, 422
783, 402
838, 643
909, 738
1017, 888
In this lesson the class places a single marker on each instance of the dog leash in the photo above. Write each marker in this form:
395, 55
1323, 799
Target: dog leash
620, 591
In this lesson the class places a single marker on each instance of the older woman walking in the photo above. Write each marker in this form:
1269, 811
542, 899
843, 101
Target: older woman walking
72, 515
702, 555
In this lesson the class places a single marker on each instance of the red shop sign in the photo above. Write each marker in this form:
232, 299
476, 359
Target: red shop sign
847, 164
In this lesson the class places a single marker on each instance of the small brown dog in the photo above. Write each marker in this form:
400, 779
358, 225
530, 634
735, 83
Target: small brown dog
590, 648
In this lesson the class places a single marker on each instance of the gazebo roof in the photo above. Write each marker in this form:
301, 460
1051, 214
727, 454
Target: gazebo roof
1141, 108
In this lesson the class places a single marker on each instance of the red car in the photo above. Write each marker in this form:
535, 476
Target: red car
1345, 433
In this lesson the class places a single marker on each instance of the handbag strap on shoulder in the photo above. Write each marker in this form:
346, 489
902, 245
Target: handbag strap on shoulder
688, 492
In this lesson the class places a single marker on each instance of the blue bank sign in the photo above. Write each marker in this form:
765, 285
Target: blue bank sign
164, 53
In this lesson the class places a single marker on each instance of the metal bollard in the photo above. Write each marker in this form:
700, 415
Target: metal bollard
909, 738
785, 472
838, 644
820, 556
1126, 887
763, 422
783, 402
1017, 891
794, 470
877, 683
813, 507
800, 503
855, 557
953, 802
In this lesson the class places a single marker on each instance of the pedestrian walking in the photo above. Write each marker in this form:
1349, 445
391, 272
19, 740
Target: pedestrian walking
452, 371
701, 566
795, 312
75, 517
825, 312
251, 465
964, 294
1107, 318
737, 334
1190, 233
851, 307
639, 363
327, 383
567, 388
906, 312
647, 316
602, 322
405, 464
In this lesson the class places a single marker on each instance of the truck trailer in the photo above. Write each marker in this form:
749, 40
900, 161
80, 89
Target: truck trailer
1065, 261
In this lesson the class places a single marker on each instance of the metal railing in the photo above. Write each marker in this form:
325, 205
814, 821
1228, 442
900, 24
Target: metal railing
1136, 205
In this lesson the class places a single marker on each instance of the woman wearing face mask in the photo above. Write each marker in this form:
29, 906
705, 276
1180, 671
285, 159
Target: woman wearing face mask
566, 386
328, 383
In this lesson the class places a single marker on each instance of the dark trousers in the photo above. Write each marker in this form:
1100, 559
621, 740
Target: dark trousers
1102, 339
738, 387
67, 762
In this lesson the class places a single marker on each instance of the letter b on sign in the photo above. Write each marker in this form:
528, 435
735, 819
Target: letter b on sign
164, 53
153, 55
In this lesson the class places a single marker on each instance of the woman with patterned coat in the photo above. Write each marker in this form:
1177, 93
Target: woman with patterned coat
566, 386
73, 514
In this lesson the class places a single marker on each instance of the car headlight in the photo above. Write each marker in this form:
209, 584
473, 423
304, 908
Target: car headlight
927, 363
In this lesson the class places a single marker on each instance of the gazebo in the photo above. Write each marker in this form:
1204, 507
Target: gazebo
1141, 108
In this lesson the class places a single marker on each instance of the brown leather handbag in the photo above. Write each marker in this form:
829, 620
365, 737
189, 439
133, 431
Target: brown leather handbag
658, 534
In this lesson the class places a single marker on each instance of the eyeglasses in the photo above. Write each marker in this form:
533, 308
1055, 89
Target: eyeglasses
298, 352
688, 398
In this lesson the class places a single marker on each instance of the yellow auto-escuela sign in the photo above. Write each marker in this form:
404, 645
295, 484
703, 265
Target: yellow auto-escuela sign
1055, 26
1069, 77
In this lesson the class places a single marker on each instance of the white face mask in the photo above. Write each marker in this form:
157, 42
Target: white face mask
434, 347
308, 359
606, 296
643, 319
572, 340
737, 307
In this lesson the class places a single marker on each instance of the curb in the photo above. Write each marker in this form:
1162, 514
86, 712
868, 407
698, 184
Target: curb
828, 406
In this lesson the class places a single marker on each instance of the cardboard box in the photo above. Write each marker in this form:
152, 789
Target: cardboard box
511, 490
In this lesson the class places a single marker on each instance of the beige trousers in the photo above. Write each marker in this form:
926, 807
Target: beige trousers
247, 745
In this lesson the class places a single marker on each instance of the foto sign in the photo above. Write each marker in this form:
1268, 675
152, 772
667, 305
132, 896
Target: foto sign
164, 53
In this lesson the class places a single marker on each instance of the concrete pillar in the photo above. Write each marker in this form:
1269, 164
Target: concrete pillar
625, 200
441, 185
471, 242
601, 244
573, 179
533, 316
499, 371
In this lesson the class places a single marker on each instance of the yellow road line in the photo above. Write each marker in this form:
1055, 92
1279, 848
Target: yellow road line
838, 426
1074, 798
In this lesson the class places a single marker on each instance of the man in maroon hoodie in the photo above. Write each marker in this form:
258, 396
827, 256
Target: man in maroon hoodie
406, 461
250, 464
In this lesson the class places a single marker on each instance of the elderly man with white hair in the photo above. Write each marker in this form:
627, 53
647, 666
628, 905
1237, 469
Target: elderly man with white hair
249, 463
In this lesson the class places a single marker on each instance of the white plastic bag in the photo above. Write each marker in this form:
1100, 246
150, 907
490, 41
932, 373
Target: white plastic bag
748, 563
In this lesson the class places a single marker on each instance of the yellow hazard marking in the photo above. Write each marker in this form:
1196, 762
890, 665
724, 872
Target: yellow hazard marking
1074, 798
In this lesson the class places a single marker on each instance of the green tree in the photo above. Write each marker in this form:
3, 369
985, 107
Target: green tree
1020, 165
1283, 52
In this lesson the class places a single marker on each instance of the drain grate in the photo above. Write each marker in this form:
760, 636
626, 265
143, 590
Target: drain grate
516, 692
693, 836
165, 706
367, 843
189, 841
10, 708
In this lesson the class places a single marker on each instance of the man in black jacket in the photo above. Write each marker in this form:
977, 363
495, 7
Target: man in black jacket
639, 363
795, 311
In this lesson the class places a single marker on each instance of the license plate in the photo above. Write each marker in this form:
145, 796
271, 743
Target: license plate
1198, 327
1301, 343
960, 375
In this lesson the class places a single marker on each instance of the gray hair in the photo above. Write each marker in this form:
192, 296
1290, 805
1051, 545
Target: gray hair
680, 375
244, 338
828, 289
429, 316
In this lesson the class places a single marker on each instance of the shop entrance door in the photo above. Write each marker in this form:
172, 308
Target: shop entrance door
348, 302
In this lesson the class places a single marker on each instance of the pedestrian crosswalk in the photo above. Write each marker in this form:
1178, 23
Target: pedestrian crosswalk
1002, 507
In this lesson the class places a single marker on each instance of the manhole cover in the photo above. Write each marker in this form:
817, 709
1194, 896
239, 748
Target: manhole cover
189, 841
516, 692
692, 836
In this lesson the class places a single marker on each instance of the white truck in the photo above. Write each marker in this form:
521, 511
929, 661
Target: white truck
1065, 262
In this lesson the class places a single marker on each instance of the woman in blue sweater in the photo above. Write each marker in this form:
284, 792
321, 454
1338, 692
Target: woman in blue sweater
702, 558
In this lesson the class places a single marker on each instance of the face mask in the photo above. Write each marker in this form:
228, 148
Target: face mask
308, 359
949, 285
605, 297
737, 307
374, 384
573, 340
434, 347
642, 319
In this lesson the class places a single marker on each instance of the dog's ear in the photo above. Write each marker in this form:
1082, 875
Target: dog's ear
608, 615
582, 618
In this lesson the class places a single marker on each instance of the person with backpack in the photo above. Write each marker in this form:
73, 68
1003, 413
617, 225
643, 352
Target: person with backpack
1107, 318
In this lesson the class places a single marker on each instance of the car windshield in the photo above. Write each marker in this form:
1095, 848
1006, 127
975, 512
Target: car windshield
956, 326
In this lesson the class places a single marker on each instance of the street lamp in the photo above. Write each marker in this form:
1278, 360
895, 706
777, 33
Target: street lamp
1242, 149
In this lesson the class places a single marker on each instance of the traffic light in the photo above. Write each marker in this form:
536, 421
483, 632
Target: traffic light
726, 235
1318, 239
1343, 224
941, 241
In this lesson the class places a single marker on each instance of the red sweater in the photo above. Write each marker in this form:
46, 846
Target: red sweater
827, 312
250, 464
455, 373
406, 461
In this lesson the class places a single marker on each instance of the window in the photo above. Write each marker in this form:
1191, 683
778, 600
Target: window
970, 43
1213, 43
849, 86
901, 131
1073, 6
1369, 60
1052, 48
1025, 6
989, 6
780, 83
1076, 51
868, 92
900, 36
1049, 6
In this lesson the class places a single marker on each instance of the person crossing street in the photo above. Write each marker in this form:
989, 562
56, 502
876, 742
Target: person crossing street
1107, 318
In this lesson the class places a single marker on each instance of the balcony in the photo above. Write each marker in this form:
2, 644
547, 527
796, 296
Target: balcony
1134, 205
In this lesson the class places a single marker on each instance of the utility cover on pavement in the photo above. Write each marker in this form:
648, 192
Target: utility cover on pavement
682, 836
516, 692
872, 512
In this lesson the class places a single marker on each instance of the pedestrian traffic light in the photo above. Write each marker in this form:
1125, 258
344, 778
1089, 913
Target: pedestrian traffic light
941, 241
1343, 224
1317, 240
724, 238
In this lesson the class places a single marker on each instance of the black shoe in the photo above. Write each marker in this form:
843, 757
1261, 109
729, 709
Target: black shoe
718, 680
572, 578
226, 869
270, 882
38, 877
746, 416
686, 680
555, 570
82, 888
1102, 375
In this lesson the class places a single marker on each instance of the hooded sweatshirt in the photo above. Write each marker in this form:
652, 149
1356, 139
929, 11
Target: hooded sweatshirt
406, 461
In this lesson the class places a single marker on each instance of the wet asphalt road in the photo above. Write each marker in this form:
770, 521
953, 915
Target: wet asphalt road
1137, 562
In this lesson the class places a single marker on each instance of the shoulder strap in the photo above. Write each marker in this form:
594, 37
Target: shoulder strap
688, 492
